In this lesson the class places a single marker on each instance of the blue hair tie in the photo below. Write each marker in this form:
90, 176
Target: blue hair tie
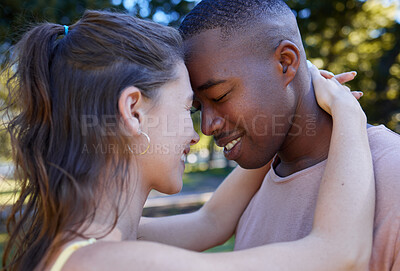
65, 30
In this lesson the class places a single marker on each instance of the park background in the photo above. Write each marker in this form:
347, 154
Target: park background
338, 35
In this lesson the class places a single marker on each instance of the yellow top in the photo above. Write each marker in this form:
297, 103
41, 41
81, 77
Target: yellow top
64, 256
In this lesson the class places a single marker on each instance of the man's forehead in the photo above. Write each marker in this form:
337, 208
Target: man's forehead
221, 37
208, 52
207, 42
210, 59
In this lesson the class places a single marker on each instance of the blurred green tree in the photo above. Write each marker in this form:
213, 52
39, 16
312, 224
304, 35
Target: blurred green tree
364, 36
16, 16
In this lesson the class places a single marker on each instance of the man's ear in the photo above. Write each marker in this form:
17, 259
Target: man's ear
288, 55
128, 106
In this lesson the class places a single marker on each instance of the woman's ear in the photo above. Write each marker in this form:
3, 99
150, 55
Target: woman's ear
288, 55
129, 108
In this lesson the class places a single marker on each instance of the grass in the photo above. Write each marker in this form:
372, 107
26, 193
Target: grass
194, 180
228, 246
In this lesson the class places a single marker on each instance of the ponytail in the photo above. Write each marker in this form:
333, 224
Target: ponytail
30, 93
34, 54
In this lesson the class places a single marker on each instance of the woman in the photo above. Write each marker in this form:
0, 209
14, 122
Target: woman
105, 117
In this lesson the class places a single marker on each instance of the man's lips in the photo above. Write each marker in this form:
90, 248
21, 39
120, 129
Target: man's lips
222, 142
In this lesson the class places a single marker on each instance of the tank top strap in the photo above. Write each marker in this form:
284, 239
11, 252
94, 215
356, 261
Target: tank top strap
67, 252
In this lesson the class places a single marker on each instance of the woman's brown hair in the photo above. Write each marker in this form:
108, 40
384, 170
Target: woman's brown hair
62, 87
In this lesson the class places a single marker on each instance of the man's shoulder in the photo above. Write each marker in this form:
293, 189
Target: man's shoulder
385, 150
385, 147
384, 143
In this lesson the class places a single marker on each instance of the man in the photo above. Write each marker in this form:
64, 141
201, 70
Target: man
249, 74
251, 82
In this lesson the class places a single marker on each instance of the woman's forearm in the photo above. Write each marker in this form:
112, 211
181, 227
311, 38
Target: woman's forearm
343, 215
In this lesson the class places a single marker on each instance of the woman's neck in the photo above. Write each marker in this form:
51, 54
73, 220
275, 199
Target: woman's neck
128, 219
128, 223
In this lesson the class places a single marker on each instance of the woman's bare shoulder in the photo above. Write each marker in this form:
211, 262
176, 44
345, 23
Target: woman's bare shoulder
129, 255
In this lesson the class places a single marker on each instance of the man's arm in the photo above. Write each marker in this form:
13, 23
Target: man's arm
215, 222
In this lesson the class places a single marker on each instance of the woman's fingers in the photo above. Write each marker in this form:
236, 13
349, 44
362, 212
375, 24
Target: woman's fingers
345, 77
315, 73
341, 78
323, 93
330, 92
357, 94
326, 74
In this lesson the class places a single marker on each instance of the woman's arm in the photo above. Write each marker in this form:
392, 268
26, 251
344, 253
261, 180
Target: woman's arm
215, 222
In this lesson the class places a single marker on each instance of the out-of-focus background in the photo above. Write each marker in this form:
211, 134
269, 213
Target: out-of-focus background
338, 35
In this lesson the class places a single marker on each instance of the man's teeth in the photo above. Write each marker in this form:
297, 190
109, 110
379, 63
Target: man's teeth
232, 144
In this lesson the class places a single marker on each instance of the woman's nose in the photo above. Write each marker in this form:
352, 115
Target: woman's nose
195, 139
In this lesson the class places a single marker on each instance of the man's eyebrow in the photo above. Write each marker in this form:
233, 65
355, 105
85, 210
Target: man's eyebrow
209, 84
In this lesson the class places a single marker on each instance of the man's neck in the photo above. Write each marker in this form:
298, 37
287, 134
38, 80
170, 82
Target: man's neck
308, 140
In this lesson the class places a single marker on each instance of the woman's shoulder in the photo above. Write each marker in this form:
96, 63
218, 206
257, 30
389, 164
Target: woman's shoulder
129, 255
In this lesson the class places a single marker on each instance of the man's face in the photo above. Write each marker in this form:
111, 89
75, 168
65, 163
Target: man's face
244, 103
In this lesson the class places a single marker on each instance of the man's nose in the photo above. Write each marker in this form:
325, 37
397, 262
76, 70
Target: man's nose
210, 123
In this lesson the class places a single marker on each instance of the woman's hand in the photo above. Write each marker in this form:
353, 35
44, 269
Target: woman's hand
329, 91
343, 78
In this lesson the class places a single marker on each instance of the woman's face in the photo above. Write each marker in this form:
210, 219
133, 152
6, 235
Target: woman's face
170, 128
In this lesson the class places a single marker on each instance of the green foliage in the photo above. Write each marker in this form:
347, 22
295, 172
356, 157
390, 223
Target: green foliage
344, 35
16, 16
3, 238
228, 246
5, 149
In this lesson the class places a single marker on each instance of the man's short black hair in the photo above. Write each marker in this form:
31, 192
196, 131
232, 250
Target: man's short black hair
229, 15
